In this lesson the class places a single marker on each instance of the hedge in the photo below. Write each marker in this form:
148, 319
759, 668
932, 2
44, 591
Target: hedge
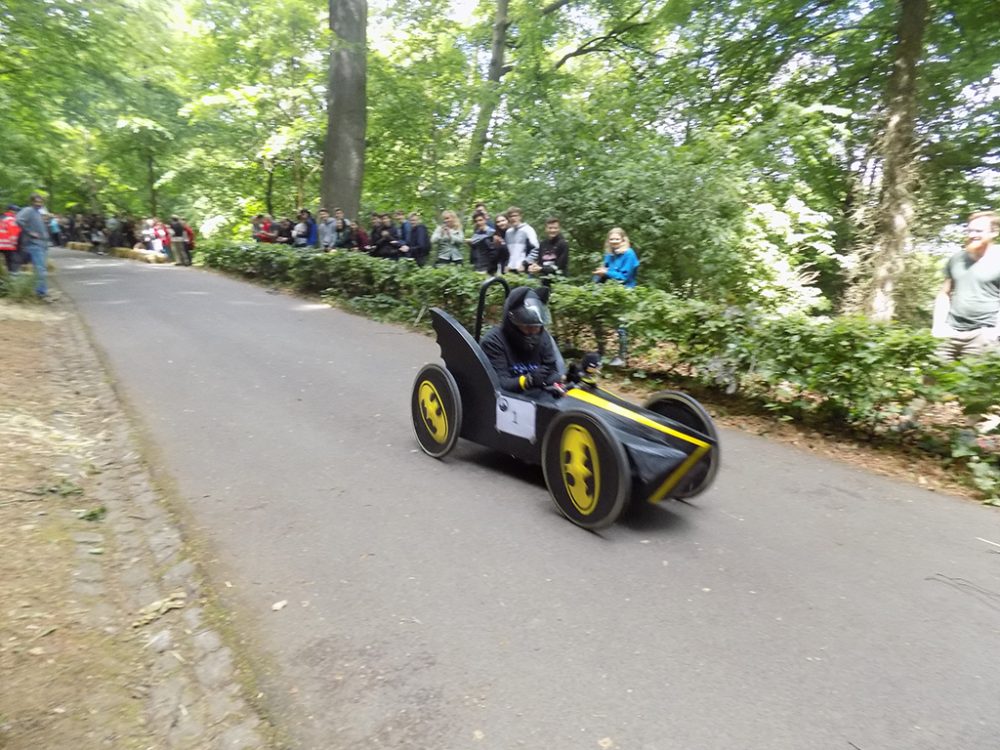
846, 372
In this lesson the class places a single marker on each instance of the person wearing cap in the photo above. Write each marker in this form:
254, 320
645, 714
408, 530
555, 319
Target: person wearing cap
523, 354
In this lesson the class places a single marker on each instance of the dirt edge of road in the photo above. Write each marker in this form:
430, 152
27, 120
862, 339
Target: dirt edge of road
111, 635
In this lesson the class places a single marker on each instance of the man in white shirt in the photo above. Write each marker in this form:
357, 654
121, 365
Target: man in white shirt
521, 240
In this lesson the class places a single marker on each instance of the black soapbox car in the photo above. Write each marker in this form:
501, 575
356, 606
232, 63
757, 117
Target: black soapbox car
597, 451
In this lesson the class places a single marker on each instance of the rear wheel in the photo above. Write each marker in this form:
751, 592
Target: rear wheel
684, 409
436, 409
586, 469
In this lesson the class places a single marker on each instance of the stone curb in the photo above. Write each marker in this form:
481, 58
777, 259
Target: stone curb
194, 699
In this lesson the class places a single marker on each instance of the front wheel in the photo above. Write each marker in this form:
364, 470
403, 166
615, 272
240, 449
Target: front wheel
684, 409
586, 469
436, 409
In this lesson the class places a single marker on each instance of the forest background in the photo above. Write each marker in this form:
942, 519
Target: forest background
797, 159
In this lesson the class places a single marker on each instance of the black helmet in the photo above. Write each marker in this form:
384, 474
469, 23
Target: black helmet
527, 309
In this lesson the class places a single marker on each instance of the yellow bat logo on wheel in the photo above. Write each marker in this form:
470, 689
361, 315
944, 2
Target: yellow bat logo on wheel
432, 410
581, 468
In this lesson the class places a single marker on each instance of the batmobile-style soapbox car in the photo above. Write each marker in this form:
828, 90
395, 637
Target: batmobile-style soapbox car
597, 451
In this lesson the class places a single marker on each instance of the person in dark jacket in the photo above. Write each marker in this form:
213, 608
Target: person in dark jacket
552, 255
481, 244
419, 246
523, 354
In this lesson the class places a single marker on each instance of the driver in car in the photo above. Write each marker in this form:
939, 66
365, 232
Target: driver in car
523, 354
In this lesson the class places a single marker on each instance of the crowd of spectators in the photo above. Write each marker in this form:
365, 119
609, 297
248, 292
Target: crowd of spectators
174, 239
501, 244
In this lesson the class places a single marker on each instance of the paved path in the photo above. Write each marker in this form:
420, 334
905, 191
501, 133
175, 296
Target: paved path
801, 605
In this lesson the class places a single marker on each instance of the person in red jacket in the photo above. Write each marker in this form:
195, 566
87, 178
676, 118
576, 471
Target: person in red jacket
9, 232
188, 239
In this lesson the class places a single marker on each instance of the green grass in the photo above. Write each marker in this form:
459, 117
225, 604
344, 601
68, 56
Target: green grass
17, 288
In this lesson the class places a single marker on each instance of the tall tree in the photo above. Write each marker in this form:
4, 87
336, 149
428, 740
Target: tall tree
873, 291
489, 97
344, 151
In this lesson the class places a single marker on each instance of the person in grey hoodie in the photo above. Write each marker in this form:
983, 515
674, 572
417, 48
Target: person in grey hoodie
36, 241
326, 229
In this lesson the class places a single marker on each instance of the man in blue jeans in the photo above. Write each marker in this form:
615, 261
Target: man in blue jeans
36, 241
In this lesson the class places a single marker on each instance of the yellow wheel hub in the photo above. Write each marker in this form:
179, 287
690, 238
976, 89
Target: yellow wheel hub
432, 410
581, 468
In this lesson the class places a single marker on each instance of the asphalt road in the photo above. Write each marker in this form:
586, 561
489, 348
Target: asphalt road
801, 604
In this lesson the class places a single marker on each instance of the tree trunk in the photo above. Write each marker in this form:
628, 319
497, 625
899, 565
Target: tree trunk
297, 179
151, 178
894, 216
489, 99
344, 150
269, 191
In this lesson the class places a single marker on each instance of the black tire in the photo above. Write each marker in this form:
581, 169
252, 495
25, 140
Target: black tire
586, 469
436, 409
682, 408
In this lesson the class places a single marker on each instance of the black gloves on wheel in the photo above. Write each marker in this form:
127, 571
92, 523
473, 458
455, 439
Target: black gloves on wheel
532, 380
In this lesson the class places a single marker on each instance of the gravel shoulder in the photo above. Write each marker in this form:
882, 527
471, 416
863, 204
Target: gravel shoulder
108, 634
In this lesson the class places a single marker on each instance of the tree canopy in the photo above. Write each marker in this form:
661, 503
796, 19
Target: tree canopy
750, 148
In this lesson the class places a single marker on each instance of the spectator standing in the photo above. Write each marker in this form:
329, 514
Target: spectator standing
481, 243
9, 234
620, 264
189, 240
967, 309
113, 227
305, 232
481, 207
448, 240
98, 239
499, 255
521, 240
359, 238
420, 240
620, 261
35, 238
552, 257
283, 235
178, 241
326, 232
343, 237
384, 243
402, 226
312, 238
338, 214
161, 239
257, 227
55, 230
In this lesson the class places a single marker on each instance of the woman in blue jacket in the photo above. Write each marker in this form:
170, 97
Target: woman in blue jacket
620, 264
620, 260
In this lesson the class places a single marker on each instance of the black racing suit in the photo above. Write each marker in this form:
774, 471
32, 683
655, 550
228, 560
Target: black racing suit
511, 361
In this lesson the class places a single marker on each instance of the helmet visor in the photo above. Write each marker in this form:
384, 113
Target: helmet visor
533, 312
